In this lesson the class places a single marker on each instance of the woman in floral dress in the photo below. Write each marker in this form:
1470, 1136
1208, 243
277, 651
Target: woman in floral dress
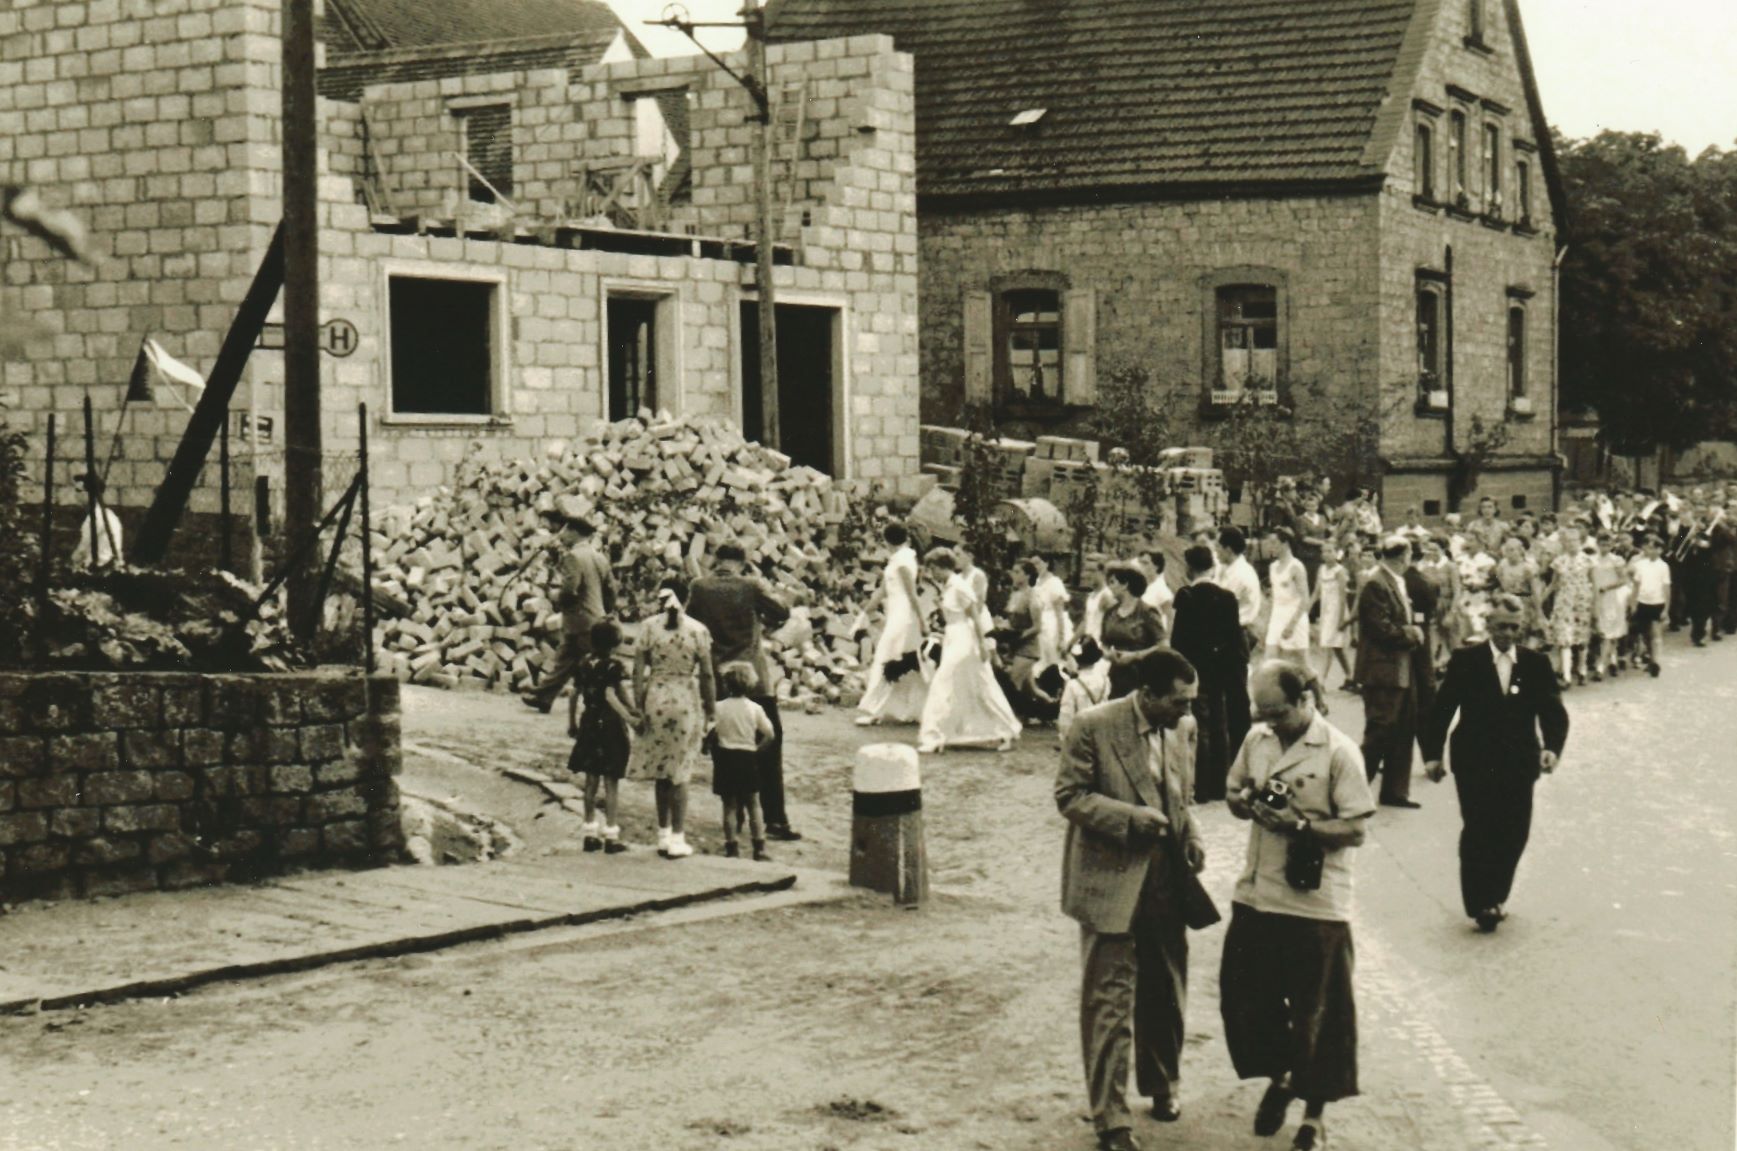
1573, 601
672, 679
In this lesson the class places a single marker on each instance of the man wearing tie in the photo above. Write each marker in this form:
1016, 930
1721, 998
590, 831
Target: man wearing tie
1387, 635
1123, 787
1505, 696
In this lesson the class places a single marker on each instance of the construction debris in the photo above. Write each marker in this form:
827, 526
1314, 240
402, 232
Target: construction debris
478, 563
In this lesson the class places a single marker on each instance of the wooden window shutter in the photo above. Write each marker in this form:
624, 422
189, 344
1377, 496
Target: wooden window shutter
979, 348
1080, 342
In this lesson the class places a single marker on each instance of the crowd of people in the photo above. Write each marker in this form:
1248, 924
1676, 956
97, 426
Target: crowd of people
699, 684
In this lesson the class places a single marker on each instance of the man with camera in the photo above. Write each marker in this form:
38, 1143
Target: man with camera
1129, 876
1285, 981
1505, 696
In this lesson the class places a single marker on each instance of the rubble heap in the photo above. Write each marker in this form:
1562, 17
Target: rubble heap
476, 564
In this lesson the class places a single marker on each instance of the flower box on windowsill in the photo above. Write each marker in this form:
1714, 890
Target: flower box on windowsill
1520, 405
1224, 397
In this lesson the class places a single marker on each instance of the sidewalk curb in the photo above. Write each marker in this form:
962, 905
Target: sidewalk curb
382, 949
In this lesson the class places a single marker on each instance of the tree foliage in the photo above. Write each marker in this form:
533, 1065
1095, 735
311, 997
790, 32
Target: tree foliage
1649, 289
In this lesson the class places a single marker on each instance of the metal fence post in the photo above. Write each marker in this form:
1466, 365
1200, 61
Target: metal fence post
367, 548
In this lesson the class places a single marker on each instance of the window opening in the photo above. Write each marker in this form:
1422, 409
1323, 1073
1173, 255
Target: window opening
1034, 345
443, 346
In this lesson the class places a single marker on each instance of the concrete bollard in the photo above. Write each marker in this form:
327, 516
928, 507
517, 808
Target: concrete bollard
886, 833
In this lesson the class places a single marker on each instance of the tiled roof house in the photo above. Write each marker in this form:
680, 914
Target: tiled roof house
1355, 195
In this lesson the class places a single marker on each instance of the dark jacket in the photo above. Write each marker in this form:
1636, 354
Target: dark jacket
1498, 733
734, 608
1383, 648
1208, 635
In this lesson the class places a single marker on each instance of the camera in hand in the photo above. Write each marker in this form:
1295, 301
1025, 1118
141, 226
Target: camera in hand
1274, 793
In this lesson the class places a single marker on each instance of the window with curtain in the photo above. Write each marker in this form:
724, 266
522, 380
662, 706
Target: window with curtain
1248, 337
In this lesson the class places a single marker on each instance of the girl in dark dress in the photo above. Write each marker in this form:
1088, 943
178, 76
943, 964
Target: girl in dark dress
602, 735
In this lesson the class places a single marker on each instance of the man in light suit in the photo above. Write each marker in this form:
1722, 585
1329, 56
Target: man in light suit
1123, 786
1505, 696
1387, 635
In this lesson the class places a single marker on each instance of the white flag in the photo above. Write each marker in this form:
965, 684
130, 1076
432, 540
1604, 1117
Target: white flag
175, 373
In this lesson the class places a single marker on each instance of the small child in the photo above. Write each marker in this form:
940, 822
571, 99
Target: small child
1652, 595
742, 730
603, 736
1087, 689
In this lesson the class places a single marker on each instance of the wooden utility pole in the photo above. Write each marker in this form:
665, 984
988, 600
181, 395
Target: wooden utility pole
301, 305
765, 237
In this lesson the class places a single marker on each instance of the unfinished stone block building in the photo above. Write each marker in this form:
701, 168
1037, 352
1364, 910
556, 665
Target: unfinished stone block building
526, 234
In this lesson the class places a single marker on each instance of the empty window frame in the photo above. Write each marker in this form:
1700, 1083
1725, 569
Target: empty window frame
1033, 345
1523, 192
488, 148
1248, 337
445, 340
1475, 20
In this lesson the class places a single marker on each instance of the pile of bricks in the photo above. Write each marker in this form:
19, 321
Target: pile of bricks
478, 564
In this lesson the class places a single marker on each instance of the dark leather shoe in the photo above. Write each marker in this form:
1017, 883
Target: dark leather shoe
1270, 1115
1487, 920
1166, 1110
783, 833
1120, 1139
1401, 803
1310, 1136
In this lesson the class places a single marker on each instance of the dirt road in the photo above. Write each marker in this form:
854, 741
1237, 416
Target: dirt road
855, 1025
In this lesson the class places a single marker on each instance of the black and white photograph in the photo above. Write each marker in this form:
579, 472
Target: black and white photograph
868, 575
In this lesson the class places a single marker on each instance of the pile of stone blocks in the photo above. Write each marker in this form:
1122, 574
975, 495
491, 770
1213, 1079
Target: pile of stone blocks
478, 564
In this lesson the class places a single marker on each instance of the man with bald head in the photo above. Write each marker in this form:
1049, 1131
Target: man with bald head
1285, 987
1506, 696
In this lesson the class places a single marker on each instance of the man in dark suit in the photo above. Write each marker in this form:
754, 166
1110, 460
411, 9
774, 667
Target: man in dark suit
1387, 640
1425, 603
734, 606
1123, 788
1505, 696
1208, 634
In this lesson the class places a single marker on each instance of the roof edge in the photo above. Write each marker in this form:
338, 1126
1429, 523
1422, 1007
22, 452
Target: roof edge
1540, 126
1181, 191
482, 47
1390, 118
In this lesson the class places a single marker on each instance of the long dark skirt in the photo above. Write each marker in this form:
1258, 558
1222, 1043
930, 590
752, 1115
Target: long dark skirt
1286, 998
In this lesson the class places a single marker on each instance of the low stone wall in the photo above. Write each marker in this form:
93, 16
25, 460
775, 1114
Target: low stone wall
133, 781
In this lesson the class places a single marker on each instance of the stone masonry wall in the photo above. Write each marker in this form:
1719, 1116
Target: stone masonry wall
1487, 261
1150, 265
135, 781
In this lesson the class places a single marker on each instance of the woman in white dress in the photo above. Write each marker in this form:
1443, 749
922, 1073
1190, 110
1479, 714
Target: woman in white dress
1049, 605
966, 707
1288, 626
896, 697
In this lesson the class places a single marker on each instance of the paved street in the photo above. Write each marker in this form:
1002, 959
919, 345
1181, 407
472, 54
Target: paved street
1598, 1017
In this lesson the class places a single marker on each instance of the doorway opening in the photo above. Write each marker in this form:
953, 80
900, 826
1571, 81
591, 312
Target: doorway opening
810, 430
